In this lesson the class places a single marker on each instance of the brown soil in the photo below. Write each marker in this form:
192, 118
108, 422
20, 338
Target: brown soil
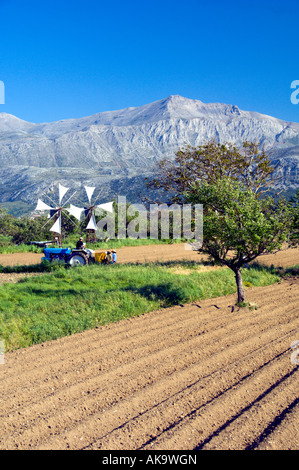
141, 254
138, 254
202, 376
15, 277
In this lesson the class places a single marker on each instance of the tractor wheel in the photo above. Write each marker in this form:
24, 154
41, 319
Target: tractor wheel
78, 259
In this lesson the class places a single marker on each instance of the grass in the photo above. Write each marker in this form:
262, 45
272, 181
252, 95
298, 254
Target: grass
7, 247
64, 301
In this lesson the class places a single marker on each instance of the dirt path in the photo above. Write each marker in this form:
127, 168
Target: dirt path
138, 254
141, 254
200, 376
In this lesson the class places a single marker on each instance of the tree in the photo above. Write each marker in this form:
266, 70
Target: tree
209, 162
294, 241
26, 230
7, 223
237, 225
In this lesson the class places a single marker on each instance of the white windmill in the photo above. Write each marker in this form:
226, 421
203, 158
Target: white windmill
90, 212
55, 213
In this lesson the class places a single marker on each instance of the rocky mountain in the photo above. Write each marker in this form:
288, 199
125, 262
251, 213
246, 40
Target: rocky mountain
116, 150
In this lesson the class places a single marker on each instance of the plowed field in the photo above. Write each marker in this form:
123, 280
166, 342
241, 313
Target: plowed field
202, 376
140, 254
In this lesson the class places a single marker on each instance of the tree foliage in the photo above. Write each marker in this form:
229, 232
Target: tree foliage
237, 225
294, 239
26, 229
210, 162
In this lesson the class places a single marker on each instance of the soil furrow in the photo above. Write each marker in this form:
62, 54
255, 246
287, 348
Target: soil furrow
170, 356
249, 425
178, 382
213, 418
187, 377
282, 433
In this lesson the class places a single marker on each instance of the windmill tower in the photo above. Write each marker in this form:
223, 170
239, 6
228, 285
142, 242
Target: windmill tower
90, 212
55, 214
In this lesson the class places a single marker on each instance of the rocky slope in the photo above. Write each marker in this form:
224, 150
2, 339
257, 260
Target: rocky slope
118, 148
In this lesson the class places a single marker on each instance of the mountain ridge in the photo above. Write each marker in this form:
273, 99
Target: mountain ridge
126, 144
176, 106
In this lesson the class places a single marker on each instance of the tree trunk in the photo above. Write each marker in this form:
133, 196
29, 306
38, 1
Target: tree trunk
240, 288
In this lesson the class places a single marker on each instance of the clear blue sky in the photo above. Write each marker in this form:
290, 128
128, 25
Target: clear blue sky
66, 59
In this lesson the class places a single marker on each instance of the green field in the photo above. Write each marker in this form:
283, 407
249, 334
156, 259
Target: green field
69, 300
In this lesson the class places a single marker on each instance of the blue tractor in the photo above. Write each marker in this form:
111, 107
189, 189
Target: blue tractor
73, 257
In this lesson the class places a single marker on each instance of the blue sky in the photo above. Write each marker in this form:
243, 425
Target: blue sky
67, 59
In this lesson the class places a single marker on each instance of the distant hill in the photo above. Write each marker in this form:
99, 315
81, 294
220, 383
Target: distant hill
117, 149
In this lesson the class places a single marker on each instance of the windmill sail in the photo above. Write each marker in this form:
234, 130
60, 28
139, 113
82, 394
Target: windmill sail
92, 224
42, 206
108, 206
89, 191
55, 212
57, 226
75, 211
62, 191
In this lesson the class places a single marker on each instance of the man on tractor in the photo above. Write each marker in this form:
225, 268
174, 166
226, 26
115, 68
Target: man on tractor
80, 244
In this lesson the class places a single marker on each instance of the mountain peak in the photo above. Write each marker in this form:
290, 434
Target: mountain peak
178, 99
172, 107
9, 122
